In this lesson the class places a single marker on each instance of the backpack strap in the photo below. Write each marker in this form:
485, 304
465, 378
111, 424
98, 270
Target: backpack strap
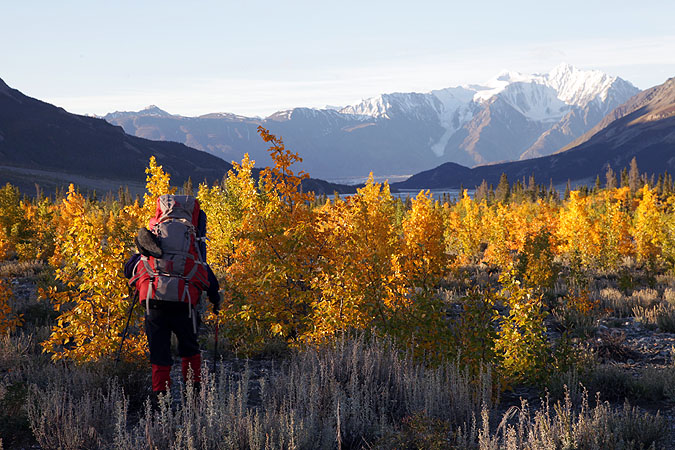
201, 259
152, 274
136, 277
191, 274
139, 274
192, 315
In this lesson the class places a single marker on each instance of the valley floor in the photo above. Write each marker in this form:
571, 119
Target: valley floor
627, 358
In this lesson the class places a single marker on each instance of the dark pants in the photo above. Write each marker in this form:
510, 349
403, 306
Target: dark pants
163, 319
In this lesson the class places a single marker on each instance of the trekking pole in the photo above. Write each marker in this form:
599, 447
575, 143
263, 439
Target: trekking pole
126, 327
215, 350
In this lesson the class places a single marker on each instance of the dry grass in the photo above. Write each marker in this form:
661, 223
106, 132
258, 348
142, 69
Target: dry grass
660, 315
621, 305
564, 426
60, 419
646, 305
616, 385
18, 268
669, 296
645, 297
352, 395
576, 323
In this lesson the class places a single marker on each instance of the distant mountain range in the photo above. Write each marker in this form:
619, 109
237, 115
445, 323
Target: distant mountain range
41, 143
511, 117
643, 127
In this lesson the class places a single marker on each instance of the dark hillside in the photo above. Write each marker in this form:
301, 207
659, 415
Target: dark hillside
44, 144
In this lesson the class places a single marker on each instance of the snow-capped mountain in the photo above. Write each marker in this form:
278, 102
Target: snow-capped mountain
642, 128
541, 97
512, 116
534, 115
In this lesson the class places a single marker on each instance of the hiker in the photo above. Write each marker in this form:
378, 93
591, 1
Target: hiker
169, 274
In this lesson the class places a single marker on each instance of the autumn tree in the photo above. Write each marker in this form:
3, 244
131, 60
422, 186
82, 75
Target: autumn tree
463, 231
503, 191
577, 237
612, 222
12, 220
633, 176
158, 183
38, 222
521, 345
226, 207
92, 246
275, 251
357, 281
649, 229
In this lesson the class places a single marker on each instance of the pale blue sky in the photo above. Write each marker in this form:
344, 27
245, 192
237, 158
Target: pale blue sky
256, 57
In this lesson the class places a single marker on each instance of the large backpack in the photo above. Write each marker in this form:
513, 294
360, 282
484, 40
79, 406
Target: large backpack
180, 275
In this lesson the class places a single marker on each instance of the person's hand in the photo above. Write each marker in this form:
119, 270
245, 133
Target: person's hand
216, 304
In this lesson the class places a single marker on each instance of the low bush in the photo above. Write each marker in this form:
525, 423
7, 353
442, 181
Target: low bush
352, 393
611, 346
564, 426
615, 302
60, 419
661, 315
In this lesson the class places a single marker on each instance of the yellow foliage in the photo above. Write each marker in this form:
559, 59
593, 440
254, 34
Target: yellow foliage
280, 179
38, 242
521, 345
613, 224
157, 183
270, 249
596, 229
92, 246
649, 227
358, 280
225, 208
464, 232
508, 228
423, 258
12, 222
577, 235
300, 272
9, 321
4, 245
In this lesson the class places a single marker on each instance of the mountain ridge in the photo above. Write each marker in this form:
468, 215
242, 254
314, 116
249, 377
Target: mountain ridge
664, 94
402, 133
643, 127
65, 147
